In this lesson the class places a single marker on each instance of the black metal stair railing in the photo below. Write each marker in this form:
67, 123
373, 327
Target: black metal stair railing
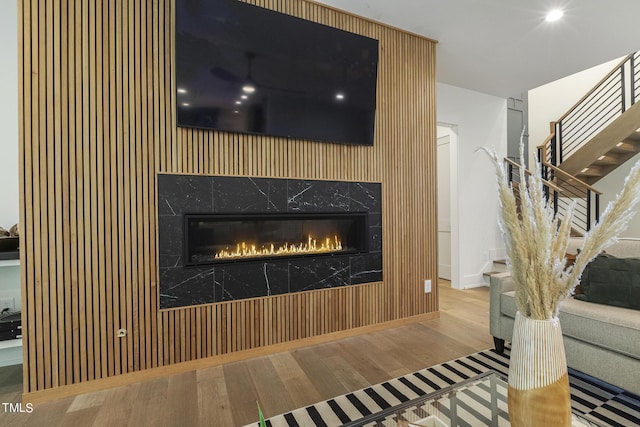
608, 100
561, 190
635, 66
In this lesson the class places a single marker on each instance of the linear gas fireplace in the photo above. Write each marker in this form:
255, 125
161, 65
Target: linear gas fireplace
214, 239
223, 238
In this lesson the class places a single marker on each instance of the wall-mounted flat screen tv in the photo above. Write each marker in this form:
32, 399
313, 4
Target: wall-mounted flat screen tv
243, 68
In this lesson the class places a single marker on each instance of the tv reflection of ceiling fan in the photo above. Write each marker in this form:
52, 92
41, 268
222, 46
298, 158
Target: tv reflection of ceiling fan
248, 82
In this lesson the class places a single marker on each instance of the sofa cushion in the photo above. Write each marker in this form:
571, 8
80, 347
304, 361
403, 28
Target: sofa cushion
613, 281
609, 327
612, 328
624, 247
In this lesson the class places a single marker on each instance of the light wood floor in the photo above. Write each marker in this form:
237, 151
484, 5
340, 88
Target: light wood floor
226, 395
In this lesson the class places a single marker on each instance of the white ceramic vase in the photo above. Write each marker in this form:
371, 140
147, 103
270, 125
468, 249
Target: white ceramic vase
538, 392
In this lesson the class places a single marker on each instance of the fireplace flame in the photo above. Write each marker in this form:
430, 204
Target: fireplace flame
311, 246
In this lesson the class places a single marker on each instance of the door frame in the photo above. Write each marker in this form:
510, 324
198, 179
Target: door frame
452, 130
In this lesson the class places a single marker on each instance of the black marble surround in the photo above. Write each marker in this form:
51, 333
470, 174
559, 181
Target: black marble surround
184, 286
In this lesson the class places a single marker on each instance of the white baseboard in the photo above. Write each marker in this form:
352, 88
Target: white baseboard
473, 281
477, 285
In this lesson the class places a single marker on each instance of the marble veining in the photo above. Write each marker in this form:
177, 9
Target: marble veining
189, 278
293, 198
170, 207
318, 196
226, 295
267, 195
266, 279
366, 272
321, 282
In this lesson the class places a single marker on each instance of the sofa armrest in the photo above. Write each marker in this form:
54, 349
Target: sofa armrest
499, 283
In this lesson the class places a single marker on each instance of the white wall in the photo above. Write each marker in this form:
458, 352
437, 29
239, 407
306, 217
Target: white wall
9, 113
549, 102
481, 120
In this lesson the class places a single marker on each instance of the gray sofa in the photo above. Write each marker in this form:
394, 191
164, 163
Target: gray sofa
600, 340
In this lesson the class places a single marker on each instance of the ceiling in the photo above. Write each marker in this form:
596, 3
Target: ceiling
505, 47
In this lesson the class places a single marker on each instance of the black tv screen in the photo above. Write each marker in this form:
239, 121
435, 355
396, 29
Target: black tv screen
243, 68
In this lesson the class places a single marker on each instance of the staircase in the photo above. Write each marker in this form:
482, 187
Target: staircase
597, 135
600, 132
561, 190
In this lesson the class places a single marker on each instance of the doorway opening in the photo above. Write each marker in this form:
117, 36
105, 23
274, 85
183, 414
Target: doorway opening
448, 236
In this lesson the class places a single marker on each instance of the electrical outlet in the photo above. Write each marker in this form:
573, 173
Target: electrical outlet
427, 286
122, 333
9, 303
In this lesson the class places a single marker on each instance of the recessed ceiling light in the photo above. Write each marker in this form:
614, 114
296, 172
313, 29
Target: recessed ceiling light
619, 144
584, 170
248, 88
181, 90
185, 104
244, 96
554, 15
238, 102
340, 96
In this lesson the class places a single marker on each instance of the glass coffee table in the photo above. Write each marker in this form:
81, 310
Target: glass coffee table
478, 401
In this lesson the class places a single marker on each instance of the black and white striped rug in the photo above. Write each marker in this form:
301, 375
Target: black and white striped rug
602, 402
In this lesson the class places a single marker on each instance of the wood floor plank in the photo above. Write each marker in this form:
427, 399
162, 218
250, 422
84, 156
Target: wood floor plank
453, 327
302, 391
81, 417
357, 353
13, 419
88, 400
402, 348
273, 396
182, 394
51, 417
214, 406
152, 406
319, 372
386, 353
348, 375
242, 392
117, 407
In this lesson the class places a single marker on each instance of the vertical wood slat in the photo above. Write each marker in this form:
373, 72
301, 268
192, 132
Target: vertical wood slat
55, 188
64, 276
98, 122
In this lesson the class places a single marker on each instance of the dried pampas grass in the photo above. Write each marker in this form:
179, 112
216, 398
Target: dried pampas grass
536, 244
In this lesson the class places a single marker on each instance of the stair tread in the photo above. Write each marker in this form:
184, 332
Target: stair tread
624, 148
608, 159
591, 171
491, 273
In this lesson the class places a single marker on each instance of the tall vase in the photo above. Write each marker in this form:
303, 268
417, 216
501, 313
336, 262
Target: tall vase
538, 393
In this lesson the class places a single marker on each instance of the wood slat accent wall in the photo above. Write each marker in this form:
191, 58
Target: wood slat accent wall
98, 122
